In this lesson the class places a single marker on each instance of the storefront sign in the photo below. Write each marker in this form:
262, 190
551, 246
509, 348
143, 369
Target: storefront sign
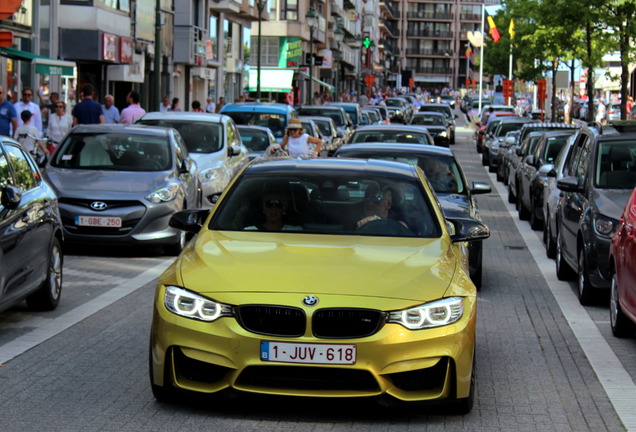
125, 50
109, 47
293, 53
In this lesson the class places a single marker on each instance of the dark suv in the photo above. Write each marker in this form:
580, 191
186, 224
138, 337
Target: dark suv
598, 184
31, 232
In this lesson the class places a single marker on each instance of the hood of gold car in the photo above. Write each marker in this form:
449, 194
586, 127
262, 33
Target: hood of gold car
254, 262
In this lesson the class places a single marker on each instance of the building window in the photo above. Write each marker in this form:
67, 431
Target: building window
289, 10
214, 37
270, 51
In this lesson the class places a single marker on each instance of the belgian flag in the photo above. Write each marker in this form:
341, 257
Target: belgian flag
492, 28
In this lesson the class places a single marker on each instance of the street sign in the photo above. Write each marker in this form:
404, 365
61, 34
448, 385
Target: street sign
508, 91
369, 80
541, 90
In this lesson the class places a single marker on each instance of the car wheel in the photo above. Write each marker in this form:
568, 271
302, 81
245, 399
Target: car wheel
484, 157
535, 222
499, 175
511, 197
47, 297
621, 325
550, 243
583, 281
563, 270
517, 199
176, 248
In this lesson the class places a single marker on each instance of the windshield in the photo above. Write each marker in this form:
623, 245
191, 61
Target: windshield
275, 122
615, 165
442, 171
553, 147
335, 114
504, 128
114, 152
324, 126
255, 140
427, 119
395, 103
388, 136
199, 136
327, 204
442, 109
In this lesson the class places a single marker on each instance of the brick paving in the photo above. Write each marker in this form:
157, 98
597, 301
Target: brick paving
532, 373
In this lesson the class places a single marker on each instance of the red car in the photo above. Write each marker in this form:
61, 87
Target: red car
622, 259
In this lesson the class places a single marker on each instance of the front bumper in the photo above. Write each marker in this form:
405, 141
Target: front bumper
422, 365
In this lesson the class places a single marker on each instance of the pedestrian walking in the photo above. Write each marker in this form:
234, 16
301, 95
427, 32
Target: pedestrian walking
220, 104
27, 104
28, 136
8, 115
59, 124
196, 106
133, 111
211, 106
111, 113
175, 105
165, 104
87, 111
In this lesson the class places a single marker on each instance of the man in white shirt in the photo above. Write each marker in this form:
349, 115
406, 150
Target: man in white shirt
27, 104
165, 104
211, 106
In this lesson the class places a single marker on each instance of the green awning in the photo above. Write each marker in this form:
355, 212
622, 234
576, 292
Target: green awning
43, 65
329, 86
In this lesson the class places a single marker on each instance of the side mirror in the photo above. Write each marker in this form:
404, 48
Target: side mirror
529, 160
552, 172
480, 188
545, 170
10, 197
519, 152
467, 230
189, 220
569, 184
234, 150
510, 140
340, 134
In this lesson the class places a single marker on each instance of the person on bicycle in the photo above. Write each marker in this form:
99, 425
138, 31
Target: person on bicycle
27, 135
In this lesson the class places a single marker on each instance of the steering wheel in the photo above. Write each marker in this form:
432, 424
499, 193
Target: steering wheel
388, 227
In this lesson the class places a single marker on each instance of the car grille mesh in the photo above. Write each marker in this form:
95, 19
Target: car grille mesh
307, 378
346, 323
340, 323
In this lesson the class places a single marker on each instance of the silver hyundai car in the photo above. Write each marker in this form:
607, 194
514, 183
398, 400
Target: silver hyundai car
121, 184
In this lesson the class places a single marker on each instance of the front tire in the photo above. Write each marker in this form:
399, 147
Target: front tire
47, 297
563, 270
583, 281
550, 243
621, 325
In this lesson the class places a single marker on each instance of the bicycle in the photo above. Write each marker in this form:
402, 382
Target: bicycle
40, 158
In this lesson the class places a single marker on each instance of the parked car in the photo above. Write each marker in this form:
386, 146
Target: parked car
603, 176
436, 125
331, 137
391, 133
256, 139
514, 158
447, 111
374, 116
533, 175
399, 110
614, 111
623, 273
446, 177
381, 298
382, 111
31, 231
337, 114
351, 108
212, 141
275, 116
495, 138
448, 99
121, 184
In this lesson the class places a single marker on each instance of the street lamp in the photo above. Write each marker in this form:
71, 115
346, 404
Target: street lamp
260, 5
338, 35
312, 20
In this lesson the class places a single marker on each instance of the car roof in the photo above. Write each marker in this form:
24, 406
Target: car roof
550, 124
331, 166
436, 105
256, 107
183, 115
261, 128
398, 128
134, 129
319, 118
395, 147
349, 104
428, 113
329, 107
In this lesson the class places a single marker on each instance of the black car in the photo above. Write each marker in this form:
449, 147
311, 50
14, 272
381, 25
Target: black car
495, 138
436, 124
30, 233
447, 111
600, 180
391, 134
456, 197
399, 109
534, 174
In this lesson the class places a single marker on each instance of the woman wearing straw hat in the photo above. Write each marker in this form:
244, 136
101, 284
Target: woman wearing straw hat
296, 142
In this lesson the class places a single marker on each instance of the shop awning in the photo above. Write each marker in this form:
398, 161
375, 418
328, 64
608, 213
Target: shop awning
43, 65
306, 75
272, 80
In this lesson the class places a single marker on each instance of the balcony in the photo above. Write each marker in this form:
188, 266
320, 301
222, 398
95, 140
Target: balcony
390, 8
390, 27
429, 52
227, 6
428, 33
250, 12
430, 15
336, 9
189, 45
432, 70
470, 17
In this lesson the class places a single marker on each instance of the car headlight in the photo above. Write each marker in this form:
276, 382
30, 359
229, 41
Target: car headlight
190, 305
495, 146
443, 134
604, 225
165, 194
435, 314
211, 174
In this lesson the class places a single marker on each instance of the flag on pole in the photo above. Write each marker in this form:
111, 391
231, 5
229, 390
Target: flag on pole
511, 29
469, 51
492, 28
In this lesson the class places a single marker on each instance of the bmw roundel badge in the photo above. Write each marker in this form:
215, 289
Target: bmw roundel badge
310, 300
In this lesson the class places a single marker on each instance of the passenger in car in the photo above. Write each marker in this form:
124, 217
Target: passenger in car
274, 207
378, 206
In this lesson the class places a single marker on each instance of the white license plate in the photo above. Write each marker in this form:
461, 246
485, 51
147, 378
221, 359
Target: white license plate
98, 221
283, 352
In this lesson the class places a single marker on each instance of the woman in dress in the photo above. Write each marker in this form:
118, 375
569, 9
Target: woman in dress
60, 123
296, 142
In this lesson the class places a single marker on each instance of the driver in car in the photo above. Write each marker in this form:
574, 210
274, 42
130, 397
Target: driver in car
378, 206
